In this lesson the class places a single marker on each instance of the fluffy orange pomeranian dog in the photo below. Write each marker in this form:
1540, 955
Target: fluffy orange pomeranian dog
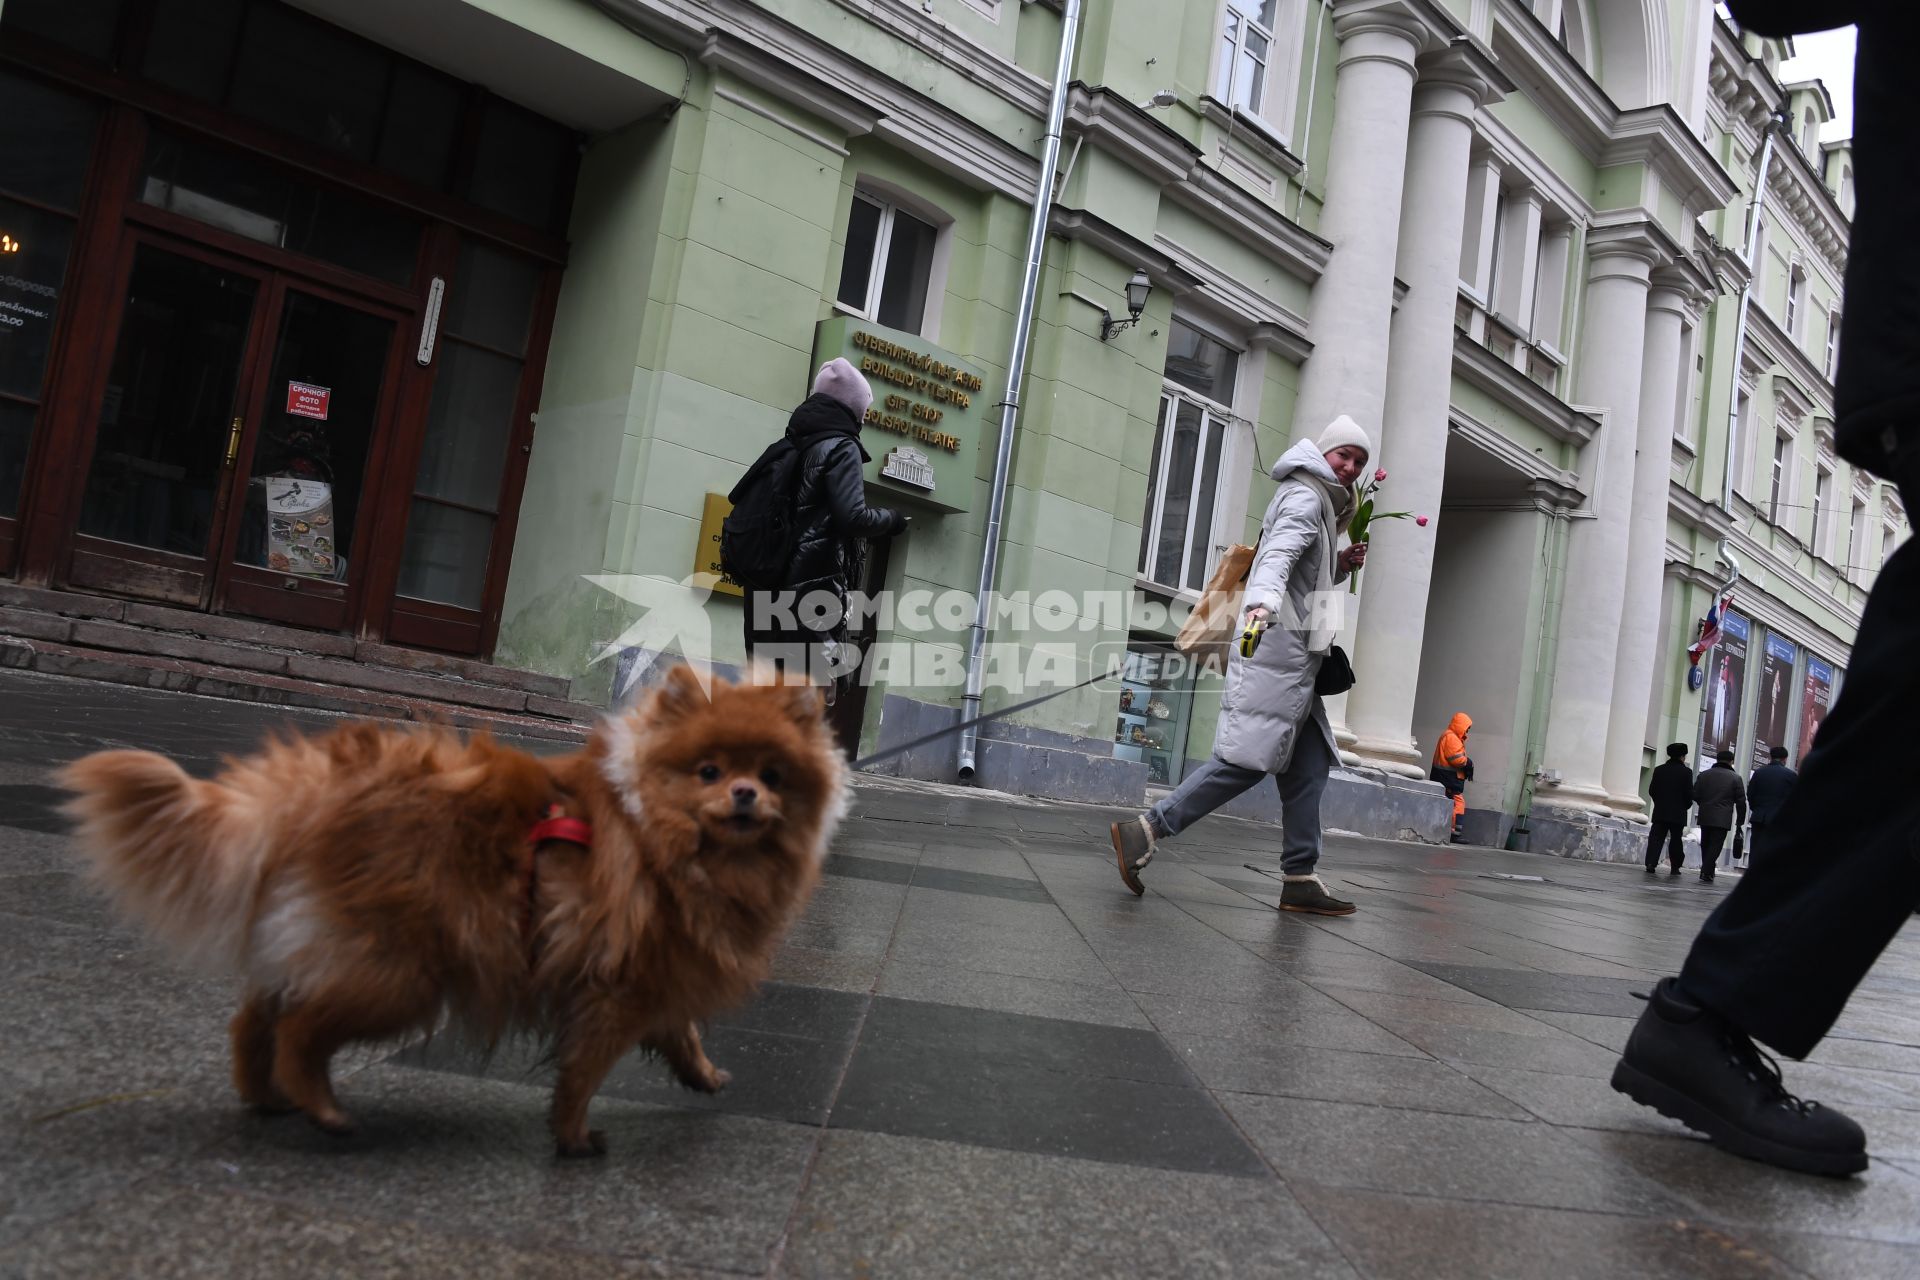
372, 882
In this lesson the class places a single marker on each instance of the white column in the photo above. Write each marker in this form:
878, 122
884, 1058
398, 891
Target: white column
1612, 349
1353, 299
1413, 445
1633, 673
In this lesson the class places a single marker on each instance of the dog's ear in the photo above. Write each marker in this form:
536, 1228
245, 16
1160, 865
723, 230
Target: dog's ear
804, 703
682, 693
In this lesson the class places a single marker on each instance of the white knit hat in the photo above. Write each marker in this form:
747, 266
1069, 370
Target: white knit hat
839, 380
1343, 431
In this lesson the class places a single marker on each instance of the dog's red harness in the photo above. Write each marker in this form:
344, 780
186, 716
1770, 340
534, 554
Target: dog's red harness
558, 826
555, 826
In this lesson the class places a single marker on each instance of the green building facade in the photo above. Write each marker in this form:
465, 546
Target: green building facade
1506, 236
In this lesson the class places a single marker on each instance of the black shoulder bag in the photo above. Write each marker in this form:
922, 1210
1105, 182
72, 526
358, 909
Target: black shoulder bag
1336, 673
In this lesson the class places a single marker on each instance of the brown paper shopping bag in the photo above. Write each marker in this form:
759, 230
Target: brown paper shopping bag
1215, 620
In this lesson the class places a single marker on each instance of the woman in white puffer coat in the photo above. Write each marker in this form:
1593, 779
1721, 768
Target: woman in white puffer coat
1271, 721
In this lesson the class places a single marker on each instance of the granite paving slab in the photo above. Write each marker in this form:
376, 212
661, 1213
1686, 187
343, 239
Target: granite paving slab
977, 1055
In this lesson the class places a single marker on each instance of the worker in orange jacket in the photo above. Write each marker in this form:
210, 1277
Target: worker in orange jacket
1452, 766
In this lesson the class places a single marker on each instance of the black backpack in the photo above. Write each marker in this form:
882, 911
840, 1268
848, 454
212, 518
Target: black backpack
757, 537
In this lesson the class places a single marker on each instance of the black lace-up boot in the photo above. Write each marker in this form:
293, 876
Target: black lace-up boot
1687, 1062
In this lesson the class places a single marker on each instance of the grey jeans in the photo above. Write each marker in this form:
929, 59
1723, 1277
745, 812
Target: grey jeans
1301, 785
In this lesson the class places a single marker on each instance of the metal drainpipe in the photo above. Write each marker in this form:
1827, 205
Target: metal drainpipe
1016, 371
1756, 210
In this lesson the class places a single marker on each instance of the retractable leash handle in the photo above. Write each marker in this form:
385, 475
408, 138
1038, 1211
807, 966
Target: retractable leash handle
1250, 638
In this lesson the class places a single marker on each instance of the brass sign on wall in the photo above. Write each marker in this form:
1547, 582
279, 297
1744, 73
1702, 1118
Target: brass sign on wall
924, 427
706, 553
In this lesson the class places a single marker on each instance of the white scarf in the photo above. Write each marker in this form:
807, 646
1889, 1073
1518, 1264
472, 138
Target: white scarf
1336, 513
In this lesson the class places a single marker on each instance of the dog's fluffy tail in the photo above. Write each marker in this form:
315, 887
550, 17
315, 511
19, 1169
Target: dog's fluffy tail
173, 853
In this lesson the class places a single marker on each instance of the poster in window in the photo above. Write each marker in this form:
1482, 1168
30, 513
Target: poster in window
1726, 677
1813, 709
33, 260
1775, 699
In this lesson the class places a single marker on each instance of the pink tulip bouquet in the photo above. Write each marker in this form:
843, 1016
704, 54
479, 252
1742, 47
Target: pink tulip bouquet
1365, 514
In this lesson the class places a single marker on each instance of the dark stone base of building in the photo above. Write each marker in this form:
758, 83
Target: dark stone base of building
1586, 835
1363, 802
1014, 758
1023, 760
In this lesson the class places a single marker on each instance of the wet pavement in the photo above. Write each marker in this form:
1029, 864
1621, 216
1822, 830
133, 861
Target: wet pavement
978, 1056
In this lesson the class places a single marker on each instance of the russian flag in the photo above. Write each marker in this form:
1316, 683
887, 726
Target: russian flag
1709, 633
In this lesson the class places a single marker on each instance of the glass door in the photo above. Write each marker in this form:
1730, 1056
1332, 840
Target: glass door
239, 427
169, 427
298, 538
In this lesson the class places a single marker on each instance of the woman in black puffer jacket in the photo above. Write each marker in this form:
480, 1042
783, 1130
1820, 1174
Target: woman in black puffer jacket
833, 521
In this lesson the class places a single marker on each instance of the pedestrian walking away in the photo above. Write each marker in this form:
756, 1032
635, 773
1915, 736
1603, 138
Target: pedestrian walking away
1834, 873
796, 611
1722, 801
1271, 720
1672, 792
1768, 789
1453, 767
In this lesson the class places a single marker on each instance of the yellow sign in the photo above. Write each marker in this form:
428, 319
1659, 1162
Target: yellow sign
706, 555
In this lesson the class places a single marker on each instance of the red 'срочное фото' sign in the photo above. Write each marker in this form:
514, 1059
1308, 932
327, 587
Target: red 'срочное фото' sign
304, 400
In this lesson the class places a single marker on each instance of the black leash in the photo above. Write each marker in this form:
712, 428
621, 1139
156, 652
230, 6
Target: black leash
964, 725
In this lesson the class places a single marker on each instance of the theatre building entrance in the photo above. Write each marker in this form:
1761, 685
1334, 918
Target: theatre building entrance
274, 305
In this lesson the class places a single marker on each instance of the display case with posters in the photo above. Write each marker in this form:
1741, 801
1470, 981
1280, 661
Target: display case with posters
1723, 693
1820, 684
1155, 707
1776, 701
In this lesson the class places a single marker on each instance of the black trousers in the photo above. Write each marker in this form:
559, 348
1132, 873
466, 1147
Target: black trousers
1673, 834
786, 648
1712, 841
1837, 871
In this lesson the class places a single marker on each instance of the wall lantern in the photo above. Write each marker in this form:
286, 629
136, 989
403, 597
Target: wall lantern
1138, 289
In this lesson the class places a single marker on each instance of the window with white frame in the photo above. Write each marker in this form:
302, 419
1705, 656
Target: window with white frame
1742, 434
1833, 344
1823, 511
1887, 537
1183, 486
1780, 491
1684, 424
1550, 282
1255, 69
1481, 231
1846, 189
886, 273
1856, 536
1796, 299
1810, 133
1512, 242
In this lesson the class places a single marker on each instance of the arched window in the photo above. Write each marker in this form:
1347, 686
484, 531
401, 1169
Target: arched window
1810, 132
1796, 299
1576, 33
1846, 189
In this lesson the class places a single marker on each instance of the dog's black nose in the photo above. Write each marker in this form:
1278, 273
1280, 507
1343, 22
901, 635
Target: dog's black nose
744, 795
